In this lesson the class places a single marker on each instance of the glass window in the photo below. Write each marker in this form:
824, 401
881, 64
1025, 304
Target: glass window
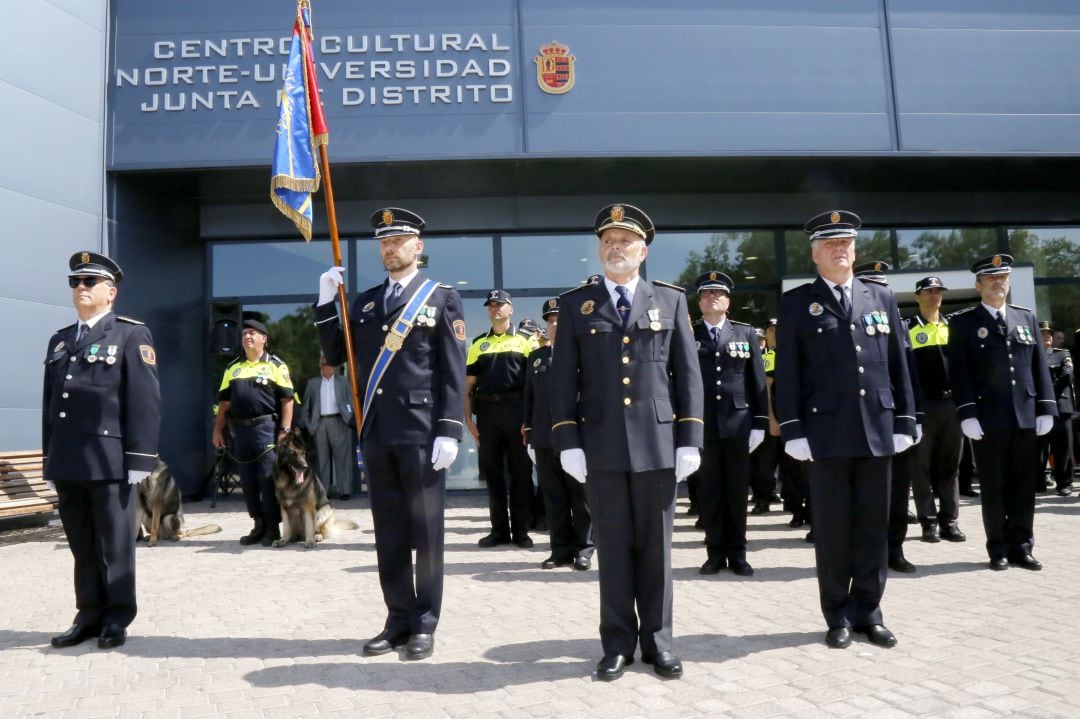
944, 249
869, 246
271, 268
467, 263
549, 260
1060, 304
465, 472
797, 246
747, 256
1055, 251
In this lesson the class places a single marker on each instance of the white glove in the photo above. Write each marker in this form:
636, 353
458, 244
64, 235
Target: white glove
799, 449
918, 433
443, 452
901, 442
134, 476
757, 436
972, 429
1043, 424
328, 284
687, 461
531, 452
573, 463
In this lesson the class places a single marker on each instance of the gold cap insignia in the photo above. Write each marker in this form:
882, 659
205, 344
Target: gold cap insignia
551, 303
996, 262
877, 267
712, 276
834, 217
617, 213
387, 217
85, 257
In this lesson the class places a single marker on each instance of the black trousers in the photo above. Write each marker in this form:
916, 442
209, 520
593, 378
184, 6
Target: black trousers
795, 486
567, 508
850, 500
764, 461
99, 521
632, 518
938, 465
408, 499
1008, 466
1058, 444
904, 468
501, 450
723, 480
256, 477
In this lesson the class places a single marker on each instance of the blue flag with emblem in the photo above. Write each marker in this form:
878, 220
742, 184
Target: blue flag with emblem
301, 129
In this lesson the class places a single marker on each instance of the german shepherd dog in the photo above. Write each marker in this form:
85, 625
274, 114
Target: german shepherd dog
301, 495
158, 510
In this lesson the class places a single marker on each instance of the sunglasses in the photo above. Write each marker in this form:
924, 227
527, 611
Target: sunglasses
74, 282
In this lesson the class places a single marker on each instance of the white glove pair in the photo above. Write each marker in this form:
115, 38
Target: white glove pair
328, 284
531, 452
902, 442
687, 461
973, 430
918, 433
757, 436
443, 453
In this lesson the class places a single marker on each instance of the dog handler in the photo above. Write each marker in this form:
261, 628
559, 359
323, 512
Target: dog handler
100, 422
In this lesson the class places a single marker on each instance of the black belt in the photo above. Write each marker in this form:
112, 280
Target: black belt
332, 414
499, 396
252, 421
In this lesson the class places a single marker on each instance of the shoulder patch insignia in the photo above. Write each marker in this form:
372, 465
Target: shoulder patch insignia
670, 286
129, 320
459, 330
147, 354
59, 346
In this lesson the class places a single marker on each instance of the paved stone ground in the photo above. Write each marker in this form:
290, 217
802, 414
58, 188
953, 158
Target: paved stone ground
276, 633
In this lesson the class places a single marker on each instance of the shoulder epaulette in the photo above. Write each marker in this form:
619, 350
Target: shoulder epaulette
960, 312
445, 286
670, 286
1018, 307
129, 320
575, 289
698, 322
741, 324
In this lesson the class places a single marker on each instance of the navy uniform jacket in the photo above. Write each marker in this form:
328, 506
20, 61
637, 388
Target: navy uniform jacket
847, 392
1002, 380
628, 397
422, 393
733, 376
1060, 364
537, 401
101, 418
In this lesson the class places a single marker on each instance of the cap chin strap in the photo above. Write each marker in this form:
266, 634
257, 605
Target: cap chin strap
833, 234
624, 225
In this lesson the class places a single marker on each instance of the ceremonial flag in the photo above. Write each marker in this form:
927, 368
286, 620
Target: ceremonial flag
301, 129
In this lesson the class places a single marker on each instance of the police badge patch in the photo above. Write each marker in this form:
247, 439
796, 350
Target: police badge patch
587, 307
368, 307
459, 330
983, 333
147, 354
816, 309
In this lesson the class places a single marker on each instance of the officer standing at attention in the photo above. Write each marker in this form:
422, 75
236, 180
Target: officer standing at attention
845, 407
736, 417
1004, 398
1058, 444
408, 338
256, 397
494, 391
626, 412
937, 472
568, 518
100, 423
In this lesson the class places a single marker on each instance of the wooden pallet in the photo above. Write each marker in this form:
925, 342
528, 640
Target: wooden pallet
22, 485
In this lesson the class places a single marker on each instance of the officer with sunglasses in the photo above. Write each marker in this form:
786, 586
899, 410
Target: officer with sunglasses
100, 424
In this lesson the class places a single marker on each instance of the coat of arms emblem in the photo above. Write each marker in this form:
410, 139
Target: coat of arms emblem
554, 68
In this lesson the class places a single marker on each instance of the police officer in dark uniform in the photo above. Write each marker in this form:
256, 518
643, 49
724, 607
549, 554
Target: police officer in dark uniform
494, 391
256, 398
845, 407
626, 411
1004, 398
1058, 444
736, 417
101, 416
408, 336
568, 518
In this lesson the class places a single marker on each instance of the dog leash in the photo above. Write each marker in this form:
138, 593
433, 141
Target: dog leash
259, 456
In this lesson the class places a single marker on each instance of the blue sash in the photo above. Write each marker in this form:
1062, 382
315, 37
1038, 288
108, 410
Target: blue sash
395, 339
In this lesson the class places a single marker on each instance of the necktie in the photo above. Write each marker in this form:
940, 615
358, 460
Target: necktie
1001, 327
845, 305
395, 293
80, 333
715, 337
623, 305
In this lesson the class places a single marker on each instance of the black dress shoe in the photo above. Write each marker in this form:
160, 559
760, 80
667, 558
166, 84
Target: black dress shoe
809, 536
699, 524
838, 638
900, 564
760, 508
1065, 491
741, 568
1000, 564
420, 646
552, 562
796, 522
112, 636
346, 497
77, 634
385, 641
878, 635
1027, 562
254, 535
930, 533
525, 542
952, 533
775, 498
713, 566
493, 540
692, 510
611, 667
581, 563
664, 663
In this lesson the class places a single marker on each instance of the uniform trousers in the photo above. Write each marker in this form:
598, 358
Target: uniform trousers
764, 461
633, 513
334, 440
255, 465
850, 502
1058, 444
501, 449
99, 521
1008, 466
795, 486
723, 480
937, 472
568, 518
408, 500
904, 467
